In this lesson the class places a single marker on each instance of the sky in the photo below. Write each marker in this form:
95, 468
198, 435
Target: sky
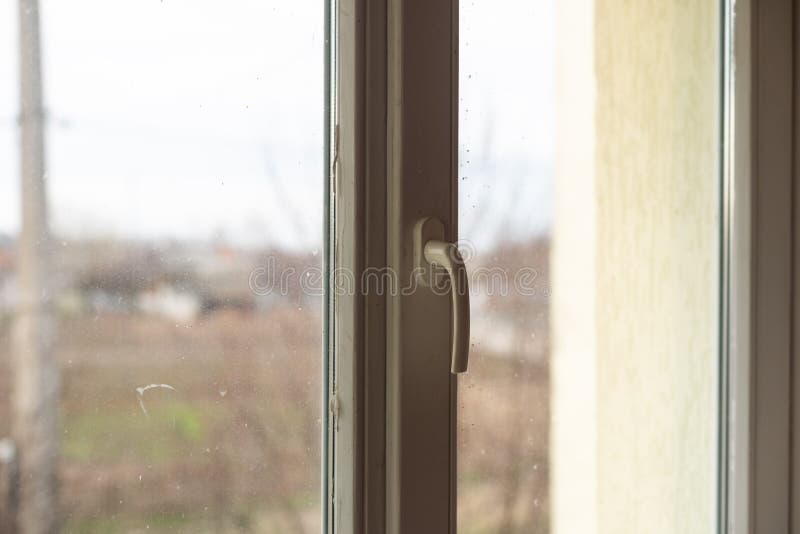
506, 119
202, 119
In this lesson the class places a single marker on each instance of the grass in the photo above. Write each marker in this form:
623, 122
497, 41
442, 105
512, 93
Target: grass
164, 521
113, 435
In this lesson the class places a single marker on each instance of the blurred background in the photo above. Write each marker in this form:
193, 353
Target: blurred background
184, 149
507, 113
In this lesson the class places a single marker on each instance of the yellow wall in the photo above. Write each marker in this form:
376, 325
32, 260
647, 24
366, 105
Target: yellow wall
652, 230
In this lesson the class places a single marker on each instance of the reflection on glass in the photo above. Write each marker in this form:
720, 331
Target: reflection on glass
184, 177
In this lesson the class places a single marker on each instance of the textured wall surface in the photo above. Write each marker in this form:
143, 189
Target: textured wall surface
653, 232
656, 172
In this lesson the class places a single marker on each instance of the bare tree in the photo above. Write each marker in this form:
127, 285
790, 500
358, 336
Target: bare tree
36, 377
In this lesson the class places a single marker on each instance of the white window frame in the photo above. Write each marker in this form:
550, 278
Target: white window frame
395, 150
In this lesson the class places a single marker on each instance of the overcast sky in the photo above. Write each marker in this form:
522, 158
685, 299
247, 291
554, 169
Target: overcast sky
203, 118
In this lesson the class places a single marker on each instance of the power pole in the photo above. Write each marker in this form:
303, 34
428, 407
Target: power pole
36, 376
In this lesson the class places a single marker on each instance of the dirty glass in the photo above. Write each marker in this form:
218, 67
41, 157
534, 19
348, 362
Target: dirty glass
506, 166
183, 157
589, 194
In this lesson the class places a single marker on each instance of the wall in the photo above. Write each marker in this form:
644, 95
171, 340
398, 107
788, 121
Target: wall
644, 352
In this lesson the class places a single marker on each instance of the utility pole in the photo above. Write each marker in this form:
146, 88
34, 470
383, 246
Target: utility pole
36, 376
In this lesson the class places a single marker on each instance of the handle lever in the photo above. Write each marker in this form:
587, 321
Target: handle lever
447, 255
431, 250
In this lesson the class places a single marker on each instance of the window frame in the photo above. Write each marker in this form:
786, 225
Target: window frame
760, 383
380, 71
357, 402
394, 161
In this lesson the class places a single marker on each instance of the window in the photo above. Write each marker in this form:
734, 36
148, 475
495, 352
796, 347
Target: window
374, 266
577, 145
184, 178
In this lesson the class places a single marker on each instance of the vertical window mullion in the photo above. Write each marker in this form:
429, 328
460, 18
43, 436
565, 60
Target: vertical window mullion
393, 401
422, 117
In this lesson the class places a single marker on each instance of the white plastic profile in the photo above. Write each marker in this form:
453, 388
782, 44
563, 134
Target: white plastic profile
447, 255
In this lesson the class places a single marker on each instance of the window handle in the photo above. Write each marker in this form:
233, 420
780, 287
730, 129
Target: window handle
432, 251
447, 255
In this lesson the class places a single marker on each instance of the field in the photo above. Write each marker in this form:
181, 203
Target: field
233, 444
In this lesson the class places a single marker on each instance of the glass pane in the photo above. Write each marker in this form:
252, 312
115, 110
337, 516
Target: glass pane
589, 193
506, 166
184, 181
